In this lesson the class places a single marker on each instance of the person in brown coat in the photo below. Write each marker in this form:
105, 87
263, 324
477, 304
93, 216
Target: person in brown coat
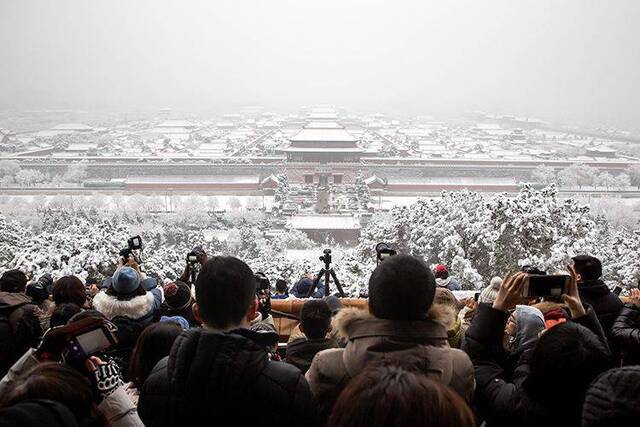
401, 325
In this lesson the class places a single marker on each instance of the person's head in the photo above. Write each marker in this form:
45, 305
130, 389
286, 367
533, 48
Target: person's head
62, 313
281, 287
13, 281
334, 304
445, 297
153, 344
126, 284
178, 295
441, 271
612, 399
571, 354
523, 328
225, 293
315, 319
60, 383
38, 292
391, 395
37, 413
69, 289
401, 288
587, 267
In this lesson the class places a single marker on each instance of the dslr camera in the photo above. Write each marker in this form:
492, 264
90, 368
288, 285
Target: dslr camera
326, 258
383, 251
133, 244
194, 255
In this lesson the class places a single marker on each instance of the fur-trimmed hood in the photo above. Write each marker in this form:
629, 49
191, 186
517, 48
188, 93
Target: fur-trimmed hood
134, 308
348, 321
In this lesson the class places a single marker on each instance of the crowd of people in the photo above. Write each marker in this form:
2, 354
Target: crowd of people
129, 351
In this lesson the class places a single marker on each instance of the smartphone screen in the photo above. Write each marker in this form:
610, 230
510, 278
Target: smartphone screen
93, 341
476, 296
546, 285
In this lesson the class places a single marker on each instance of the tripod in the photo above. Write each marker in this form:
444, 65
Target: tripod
327, 272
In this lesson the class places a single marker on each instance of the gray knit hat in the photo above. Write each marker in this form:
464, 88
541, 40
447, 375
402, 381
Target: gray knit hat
612, 399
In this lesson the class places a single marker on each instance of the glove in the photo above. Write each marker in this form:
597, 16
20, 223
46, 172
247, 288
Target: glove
107, 378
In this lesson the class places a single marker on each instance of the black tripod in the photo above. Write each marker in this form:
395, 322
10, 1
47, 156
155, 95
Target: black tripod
327, 272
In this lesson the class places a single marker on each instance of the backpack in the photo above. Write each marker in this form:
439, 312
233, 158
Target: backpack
17, 334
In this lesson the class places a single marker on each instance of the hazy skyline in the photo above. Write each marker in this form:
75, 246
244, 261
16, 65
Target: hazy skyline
571, 61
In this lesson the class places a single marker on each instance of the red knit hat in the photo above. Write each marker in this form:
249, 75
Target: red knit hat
441, 268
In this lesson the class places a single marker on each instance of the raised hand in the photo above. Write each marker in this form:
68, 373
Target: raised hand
510, 293
572, 297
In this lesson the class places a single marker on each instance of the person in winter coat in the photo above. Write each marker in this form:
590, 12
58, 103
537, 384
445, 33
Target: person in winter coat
443, 280
20, 325
315, 324
130, 306
37, 413
612, 399
177, 302
221, 372
100, 402
301, 288
626, 329
595, 292
401, 325
549, 380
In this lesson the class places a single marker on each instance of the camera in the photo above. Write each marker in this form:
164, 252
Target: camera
196, 252
133, 244
326, 258
384, 250
263, 292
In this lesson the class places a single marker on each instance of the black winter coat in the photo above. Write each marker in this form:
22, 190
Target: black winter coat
500, 399
626, 332
605, 303
227, 379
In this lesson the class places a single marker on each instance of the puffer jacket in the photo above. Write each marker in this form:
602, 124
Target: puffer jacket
225, 377
500, 398
626, 332
420, 343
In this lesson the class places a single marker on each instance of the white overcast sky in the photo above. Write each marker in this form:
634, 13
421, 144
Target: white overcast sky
575, 61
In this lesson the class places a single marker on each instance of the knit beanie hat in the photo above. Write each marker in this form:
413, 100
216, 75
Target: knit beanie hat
13, 281
177, 295
125, 280
612, 399
176, 319
489, 294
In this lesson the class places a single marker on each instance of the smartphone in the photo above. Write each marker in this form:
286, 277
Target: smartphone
543, 285
617, 290
476, 296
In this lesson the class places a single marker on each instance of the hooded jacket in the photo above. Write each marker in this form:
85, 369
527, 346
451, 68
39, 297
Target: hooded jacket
501, 399
421, 343
449, 283
226, 378
20, 327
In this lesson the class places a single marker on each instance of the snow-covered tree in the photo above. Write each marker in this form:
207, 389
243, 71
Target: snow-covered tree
29, 177
545, 175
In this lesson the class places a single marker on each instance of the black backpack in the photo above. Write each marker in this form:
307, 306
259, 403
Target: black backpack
17, 334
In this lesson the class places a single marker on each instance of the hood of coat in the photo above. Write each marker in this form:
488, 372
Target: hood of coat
135, 308
443, 282
413, 342
529, 323
13, 299
203, 362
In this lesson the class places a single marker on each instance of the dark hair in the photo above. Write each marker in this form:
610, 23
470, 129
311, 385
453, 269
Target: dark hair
281, 286
573, 354
588, 267
612, 399
443, 274
315, 318
69, 289
401, 288
13, 281
384, 395
153, 344
225, 289
60, 383
62, 313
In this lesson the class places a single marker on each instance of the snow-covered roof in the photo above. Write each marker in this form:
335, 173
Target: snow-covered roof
323, 150
323, 135
324, 222
72, 127
176, 124
219, 179
81, 147
323, 125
